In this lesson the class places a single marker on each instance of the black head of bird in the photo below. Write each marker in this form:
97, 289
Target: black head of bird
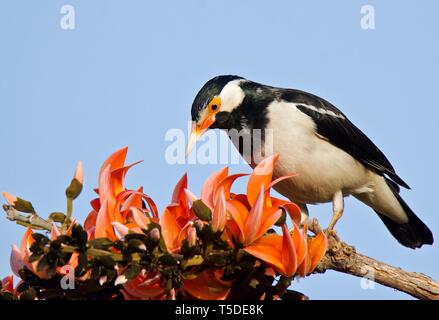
330, 155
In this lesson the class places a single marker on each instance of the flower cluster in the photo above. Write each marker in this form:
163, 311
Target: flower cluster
220, 245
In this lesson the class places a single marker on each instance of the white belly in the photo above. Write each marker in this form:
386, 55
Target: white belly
322, 169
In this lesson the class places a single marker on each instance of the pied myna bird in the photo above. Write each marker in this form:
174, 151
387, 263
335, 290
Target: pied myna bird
330, 155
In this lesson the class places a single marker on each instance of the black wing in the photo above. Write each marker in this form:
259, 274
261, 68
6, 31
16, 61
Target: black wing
334, 126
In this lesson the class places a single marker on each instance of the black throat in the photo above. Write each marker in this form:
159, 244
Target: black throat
241, 124
252, 113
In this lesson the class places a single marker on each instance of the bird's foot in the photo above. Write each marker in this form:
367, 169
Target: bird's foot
313, 225
330, 232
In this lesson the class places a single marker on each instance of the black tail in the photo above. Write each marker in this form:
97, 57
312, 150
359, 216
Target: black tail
412, 234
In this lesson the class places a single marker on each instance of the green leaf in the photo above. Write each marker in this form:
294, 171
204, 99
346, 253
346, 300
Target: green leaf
51, 271
152, 243
229, 273
215, 259
82, 265
6, 295
79, 234
162, 245
23, 206
185, 248
37, 248
132, 271
168, 260
138, 236
43, 264
98, 252
40, 238
107, 262
194, 261
57, 217
246, 266
201, 210
29, 294
254, 283
34, 257
135, 243
100, 243
169, 285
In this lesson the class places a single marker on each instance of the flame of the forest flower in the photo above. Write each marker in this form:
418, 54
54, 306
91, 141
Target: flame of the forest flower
219, 213
243, 221
16, 260
116, 203
208, 286
19, 256
7, 285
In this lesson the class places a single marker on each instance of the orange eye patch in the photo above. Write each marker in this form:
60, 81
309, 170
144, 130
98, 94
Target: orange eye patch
214, 105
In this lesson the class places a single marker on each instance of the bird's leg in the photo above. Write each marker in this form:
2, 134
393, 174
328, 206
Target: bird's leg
337, 210
304, 212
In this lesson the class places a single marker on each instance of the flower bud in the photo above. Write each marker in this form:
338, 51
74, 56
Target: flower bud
18, 203
75, 187
199, 224
11, 199
192, 237
155, 234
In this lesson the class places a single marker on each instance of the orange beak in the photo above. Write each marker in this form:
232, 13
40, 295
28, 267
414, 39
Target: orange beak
197, 131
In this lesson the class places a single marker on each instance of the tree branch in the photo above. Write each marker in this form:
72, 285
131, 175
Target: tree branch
32, 220
343, 258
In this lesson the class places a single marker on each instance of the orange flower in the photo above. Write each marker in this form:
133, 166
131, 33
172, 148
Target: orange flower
19, 257
115, 203
284, 253
249, 217
145, 286
316, 249
177, 218
16, 260
251, 225
219, 215
208, 286
243, 220
7, 285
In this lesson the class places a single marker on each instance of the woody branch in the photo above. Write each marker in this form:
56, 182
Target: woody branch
342, 257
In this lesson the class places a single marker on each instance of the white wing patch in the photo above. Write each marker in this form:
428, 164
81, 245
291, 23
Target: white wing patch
321, 110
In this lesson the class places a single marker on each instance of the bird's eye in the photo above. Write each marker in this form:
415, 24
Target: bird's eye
215, 105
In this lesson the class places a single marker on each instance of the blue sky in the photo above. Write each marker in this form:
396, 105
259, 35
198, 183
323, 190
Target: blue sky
130, 70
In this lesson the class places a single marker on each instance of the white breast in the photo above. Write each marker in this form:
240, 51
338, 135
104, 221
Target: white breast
321, 168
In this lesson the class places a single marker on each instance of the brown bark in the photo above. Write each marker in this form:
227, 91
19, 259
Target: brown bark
343, 258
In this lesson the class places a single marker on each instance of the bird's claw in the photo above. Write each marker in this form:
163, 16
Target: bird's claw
313, 225
330, 232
